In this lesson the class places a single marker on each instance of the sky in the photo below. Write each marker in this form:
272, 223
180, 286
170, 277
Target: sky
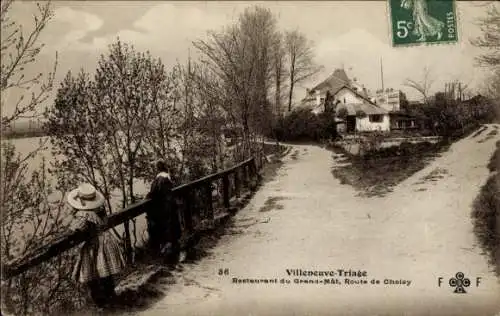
350, 34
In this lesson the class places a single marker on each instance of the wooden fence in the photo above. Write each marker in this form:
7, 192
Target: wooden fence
199, 203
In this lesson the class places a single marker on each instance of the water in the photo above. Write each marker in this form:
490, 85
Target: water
25, 146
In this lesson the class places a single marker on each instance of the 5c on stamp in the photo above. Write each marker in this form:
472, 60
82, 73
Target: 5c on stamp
423, 21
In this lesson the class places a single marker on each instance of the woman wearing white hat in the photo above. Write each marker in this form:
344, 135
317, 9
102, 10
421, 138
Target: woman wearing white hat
101, 257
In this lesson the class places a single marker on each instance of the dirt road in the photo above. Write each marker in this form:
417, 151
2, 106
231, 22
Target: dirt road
419, 233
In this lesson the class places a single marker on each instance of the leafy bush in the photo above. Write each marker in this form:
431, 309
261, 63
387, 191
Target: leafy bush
454, 119
29, 219
372, 141
304, 125
406, 149
342, 113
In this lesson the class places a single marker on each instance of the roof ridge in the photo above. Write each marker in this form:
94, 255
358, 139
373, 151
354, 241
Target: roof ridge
330, 77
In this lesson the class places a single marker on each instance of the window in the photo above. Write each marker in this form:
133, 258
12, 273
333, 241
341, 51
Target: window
376, 118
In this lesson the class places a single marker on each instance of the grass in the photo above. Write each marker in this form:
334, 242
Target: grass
378, 174
486, 212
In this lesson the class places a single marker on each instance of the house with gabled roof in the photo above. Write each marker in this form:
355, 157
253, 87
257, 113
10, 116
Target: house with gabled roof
334, 83
354, 109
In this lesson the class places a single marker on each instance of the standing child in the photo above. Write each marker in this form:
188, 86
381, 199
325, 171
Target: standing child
164, 225
101, 257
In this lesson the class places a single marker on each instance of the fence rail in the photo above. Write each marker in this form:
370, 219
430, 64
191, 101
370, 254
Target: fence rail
244, 174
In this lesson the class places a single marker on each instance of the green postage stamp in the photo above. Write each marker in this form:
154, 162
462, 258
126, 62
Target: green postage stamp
423, 21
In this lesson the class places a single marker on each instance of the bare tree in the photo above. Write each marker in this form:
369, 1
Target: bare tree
258, 25
490, 39
423, 86
194, 147
164, 123
28, 218
241, 57
210, 117
300, 61
19, 50
101, 128
279, 72
456, 89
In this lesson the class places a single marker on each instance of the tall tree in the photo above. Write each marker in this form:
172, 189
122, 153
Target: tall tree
490, 39
241, 57
210, 119
279, 72
102, 126
422, 86
300, 61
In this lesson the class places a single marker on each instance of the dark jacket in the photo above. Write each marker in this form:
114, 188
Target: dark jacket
162, 216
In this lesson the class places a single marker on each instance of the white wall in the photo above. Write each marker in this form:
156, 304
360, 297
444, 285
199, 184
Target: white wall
388, 100
364, 124
348, 96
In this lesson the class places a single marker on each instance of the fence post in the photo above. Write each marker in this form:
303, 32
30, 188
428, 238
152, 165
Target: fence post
245, 175
225, 188
254, 174
210, 206
237, 183
188, 216
128, 242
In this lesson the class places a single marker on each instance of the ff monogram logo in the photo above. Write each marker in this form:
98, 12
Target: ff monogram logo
459, 282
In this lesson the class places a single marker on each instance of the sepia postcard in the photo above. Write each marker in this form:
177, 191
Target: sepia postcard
250, 158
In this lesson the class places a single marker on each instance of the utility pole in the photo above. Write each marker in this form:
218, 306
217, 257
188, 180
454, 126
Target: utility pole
382, 74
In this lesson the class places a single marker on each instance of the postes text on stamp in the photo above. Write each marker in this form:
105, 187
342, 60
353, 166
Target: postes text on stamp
423, 21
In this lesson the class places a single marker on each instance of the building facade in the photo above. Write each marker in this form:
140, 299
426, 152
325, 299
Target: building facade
388, 99
355, 112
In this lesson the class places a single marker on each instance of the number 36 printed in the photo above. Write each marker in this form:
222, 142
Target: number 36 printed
403, 28
224, 271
